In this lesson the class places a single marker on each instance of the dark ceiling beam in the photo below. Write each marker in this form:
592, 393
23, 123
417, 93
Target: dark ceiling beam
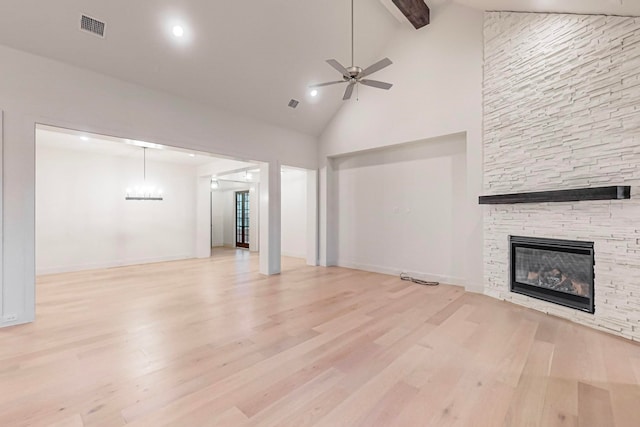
416, 11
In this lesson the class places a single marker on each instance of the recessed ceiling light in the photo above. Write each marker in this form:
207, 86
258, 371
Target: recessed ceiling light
178, 31
314, 92
84, 138
192, 155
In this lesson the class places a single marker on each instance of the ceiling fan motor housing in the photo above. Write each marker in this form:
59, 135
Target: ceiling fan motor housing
354, 71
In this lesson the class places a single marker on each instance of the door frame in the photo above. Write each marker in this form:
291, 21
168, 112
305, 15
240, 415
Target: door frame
245, 228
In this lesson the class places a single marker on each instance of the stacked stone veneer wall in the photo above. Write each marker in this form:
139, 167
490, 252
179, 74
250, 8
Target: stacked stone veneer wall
562, 110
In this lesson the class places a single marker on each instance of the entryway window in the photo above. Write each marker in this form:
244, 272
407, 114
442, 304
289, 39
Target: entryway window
242, 219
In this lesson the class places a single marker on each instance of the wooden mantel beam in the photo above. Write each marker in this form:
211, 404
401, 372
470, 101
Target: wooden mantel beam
416, 11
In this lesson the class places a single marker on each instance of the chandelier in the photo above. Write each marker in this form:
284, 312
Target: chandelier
144, 191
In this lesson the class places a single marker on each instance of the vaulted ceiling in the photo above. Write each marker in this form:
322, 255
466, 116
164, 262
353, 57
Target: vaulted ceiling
249, 57
607, 7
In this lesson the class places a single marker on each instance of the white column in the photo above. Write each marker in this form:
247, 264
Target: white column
2, 319
327, 215
254, 217
312, 217
18, 218
203, 217
270, 206
474, 212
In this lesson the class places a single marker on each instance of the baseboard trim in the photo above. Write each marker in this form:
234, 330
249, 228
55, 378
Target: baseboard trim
110, 264
474, 289
293, 254
393, 271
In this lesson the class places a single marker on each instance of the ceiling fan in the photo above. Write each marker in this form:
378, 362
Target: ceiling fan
354, 74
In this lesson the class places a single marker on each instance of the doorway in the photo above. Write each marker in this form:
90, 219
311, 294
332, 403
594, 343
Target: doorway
83, 187
242, 219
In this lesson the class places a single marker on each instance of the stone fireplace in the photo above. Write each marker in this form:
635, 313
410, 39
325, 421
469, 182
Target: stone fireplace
561, 108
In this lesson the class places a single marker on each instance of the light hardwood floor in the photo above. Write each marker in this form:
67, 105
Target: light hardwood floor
213, 343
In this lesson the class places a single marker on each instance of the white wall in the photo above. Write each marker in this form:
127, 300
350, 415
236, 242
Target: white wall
203, 217
401, 209
229, 223
437, 76
84, 222
294, 213
35, 89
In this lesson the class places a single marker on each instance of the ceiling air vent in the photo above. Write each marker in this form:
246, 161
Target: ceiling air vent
92, 25
293, 103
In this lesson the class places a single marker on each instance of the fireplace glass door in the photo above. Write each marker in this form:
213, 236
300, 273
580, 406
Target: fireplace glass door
559, 271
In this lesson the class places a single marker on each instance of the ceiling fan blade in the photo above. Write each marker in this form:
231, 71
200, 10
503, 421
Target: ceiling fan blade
348, 92
335, 64
376, 67
328, 83
375, 83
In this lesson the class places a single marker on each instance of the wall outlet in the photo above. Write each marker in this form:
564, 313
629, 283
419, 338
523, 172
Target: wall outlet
10, 318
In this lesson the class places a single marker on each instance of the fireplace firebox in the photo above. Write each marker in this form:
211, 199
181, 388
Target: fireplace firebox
558, 271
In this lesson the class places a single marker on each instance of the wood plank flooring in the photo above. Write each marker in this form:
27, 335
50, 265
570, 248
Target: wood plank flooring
213, 343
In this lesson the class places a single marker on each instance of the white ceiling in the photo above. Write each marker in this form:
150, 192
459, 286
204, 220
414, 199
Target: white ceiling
249, 57
252, 175
63, 139
249, 175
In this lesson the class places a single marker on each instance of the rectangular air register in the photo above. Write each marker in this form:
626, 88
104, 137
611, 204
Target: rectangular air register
92, 25
557, 271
